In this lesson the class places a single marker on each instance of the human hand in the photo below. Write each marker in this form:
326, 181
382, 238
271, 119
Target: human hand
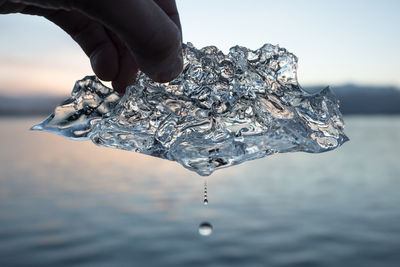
119, 36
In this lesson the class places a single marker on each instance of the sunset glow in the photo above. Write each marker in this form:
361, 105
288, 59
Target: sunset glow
336, 42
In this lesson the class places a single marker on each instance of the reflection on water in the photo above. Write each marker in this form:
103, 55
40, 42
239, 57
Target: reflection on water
66, 203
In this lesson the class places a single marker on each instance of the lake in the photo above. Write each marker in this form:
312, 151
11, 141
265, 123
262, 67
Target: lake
69, 203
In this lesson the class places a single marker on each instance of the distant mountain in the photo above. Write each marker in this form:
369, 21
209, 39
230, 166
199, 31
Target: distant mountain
31, 105
367, 99
354, 99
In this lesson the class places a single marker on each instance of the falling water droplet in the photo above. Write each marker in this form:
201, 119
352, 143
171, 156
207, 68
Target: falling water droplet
205, 201
205, 229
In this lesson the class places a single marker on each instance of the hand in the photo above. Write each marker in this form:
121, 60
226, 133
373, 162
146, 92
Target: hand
119, 36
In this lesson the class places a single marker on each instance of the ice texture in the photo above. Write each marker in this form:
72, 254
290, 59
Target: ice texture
221, 110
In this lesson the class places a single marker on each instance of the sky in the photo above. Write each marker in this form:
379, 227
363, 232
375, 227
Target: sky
337, 42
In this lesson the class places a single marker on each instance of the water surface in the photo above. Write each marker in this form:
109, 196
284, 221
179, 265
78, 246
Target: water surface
68, 203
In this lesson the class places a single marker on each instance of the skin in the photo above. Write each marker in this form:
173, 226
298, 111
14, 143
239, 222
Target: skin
119, 36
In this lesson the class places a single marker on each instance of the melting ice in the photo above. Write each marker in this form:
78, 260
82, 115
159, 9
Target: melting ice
221, 110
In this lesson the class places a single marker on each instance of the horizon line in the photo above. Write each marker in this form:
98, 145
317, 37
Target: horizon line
55, 93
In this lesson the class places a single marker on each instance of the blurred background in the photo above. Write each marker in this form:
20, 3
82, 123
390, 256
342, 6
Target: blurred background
66, 203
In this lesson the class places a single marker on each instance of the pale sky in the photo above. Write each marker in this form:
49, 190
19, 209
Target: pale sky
337, 42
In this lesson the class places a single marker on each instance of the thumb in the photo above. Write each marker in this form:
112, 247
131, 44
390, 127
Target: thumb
151, 36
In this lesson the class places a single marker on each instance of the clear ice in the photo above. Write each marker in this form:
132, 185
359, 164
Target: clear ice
221, 110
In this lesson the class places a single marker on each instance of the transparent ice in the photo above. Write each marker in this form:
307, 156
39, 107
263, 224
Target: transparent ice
221, 110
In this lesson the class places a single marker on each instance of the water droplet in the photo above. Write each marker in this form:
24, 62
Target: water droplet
205, 201
205, 229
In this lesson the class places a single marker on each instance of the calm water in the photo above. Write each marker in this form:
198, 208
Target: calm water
66, 203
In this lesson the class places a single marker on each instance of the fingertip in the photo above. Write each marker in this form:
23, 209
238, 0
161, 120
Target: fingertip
121, 84
104, 61
171, 72
164, 70
127, 73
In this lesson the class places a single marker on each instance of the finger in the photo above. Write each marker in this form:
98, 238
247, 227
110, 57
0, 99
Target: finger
9, 8
169, 7
127, 68
90, 35
127, 65
47, 4
127, 74
149, 33
93, 39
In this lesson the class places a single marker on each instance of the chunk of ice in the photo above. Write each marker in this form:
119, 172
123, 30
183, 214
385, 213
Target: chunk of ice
220, 111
